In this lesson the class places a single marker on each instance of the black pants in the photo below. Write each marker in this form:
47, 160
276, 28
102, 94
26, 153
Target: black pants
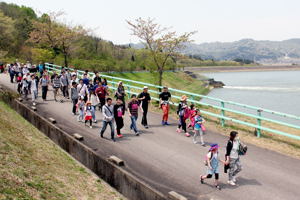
120, 124
91, 123
216, 176
19, 89
182, 123
102, 103
75, 101
85, 98
65, 91
12, 77
44, 92
144, 118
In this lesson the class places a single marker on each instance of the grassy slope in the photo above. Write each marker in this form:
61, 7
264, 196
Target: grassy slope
32, 167
178, 80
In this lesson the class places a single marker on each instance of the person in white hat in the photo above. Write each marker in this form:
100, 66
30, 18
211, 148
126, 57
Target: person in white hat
145, 99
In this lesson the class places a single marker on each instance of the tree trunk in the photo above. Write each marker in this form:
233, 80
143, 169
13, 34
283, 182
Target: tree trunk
160, 77
66, 59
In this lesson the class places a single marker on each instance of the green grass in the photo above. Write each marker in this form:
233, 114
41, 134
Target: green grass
177, 80
33, 167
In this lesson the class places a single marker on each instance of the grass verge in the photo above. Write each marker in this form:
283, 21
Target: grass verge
33, 167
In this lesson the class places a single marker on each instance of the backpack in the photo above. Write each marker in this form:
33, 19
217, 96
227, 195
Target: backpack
242, 149
205, 161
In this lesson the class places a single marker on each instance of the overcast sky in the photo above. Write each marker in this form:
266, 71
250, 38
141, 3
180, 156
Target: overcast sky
215, 20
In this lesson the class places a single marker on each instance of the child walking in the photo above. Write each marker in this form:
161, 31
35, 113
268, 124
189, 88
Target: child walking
212, 162
183, 114
119, 111
88, 114
80, 107
192, 115
133, 107
198, 121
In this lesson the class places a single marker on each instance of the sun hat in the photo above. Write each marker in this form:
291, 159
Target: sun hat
213, 147
88, 102
145, 87
183, 97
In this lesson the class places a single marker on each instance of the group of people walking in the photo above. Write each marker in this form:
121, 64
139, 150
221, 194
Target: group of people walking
91, 93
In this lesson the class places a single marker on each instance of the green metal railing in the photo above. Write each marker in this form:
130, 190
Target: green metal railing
132, 86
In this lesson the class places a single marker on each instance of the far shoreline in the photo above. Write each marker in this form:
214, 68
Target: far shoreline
258, 68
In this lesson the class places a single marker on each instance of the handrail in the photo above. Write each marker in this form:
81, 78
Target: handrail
222, 108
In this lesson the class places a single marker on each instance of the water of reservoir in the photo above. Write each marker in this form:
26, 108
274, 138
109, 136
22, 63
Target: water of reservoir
274, 90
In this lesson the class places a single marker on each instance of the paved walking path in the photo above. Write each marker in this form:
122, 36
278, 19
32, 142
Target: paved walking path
170, 161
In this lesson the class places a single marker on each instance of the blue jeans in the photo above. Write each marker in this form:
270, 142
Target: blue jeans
112, 128
93, 112
133, 123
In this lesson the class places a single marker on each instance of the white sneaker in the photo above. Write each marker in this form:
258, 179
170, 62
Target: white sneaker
195, 142
234, 179
231, 183
91, 127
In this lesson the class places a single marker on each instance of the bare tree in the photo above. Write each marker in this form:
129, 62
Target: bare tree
162, 43
53, 34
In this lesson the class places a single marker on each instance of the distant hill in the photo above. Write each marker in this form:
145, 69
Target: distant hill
259, 51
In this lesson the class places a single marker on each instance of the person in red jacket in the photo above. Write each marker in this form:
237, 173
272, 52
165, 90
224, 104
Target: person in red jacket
101, 92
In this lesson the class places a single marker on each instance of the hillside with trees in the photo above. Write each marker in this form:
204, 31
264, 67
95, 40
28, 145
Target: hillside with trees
246, 49
27, 36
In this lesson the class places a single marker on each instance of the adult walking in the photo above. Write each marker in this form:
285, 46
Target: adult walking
56, 84
145, 99
133, 107
82, 90
97, 78
11, 71
108, 118
94, 102
233, 157
44, 82
74, 97
34, 89
119, 111
164, 99
64, 81
120, 92
101, 92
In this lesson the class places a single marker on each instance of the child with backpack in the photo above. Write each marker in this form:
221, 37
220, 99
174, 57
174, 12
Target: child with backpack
88, 113
192, 115
80, 107
183, 114
198, 127
212, 162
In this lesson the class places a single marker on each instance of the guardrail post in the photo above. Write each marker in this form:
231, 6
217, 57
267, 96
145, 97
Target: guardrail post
129, 95
113, 84
223, 114
259, 123
192, 98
